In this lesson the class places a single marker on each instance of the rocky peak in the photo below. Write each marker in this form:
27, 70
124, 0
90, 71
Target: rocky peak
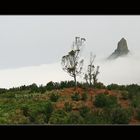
122, 49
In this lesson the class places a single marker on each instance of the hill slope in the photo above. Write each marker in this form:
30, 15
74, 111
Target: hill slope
67, 106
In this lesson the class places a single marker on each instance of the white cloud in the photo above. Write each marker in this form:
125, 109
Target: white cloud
33, 74
124, 70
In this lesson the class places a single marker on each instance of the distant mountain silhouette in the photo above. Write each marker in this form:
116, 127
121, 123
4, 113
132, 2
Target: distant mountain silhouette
122, 50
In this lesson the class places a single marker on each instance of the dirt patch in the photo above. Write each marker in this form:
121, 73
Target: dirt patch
124, 103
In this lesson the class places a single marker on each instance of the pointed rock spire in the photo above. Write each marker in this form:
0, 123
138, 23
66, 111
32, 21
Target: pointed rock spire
122, 49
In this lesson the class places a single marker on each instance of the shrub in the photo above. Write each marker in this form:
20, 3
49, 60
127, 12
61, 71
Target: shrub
54, 97
40, 118
44, 109
135, 102
138, 113
125, 95
113, 87
58, 117
75, 118
50, 85
103, 100
120, 116
84, 110
133, 95
97, 117
67, 107
100, 85
42, 89
33, 88
84, 96
25, 110
75, 96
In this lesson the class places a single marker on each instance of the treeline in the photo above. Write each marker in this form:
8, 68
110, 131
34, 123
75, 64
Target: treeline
49, 86
35, 88
133, 88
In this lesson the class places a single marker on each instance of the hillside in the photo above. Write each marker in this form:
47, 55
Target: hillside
110, 105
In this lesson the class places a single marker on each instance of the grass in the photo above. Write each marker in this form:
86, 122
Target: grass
24, 107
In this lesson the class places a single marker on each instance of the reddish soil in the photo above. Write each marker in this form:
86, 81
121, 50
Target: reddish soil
67, 92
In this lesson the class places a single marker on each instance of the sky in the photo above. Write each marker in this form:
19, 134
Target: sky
32, 47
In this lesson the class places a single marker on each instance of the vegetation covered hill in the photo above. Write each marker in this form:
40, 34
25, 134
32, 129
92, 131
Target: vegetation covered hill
61, 103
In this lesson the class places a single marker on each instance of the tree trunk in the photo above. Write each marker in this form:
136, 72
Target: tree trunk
94, 81
90, 77
75, 81
90, 80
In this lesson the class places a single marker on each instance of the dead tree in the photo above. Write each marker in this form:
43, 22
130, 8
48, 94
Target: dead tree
71, 62
94, 75
92, 72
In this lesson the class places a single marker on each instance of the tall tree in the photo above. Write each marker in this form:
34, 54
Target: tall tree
95, 74
91, 68
71, 63
92, 72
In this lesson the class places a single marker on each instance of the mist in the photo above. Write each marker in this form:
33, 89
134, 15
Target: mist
31, 48
123, 70
34, 74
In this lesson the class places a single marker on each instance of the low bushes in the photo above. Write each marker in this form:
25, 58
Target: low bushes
125, 95
43, 109
58, 117
76, 97
75, 118
138, 113
84, 110
84, 96
54, 97
120, 116
135, 102
103, 100
68, 107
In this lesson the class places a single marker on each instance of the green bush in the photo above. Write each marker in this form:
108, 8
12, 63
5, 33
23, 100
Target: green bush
50, 86
67, 107
58, 117
25, 110
44, 109
138, 113
115, 115
75, 118
84, 96
97, 117
113, 87
41, 89
33, 88
84, 110
135, 102
103, 100
54, 97
125, 95
75, 97
40, 119
120, 116
100, 85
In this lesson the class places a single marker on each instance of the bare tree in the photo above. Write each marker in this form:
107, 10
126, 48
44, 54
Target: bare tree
95, 74
71, 62
86, 78
92, 72
91, 68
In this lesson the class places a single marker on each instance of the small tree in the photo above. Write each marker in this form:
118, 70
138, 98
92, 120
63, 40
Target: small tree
71, 62
95, 74
92, 72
